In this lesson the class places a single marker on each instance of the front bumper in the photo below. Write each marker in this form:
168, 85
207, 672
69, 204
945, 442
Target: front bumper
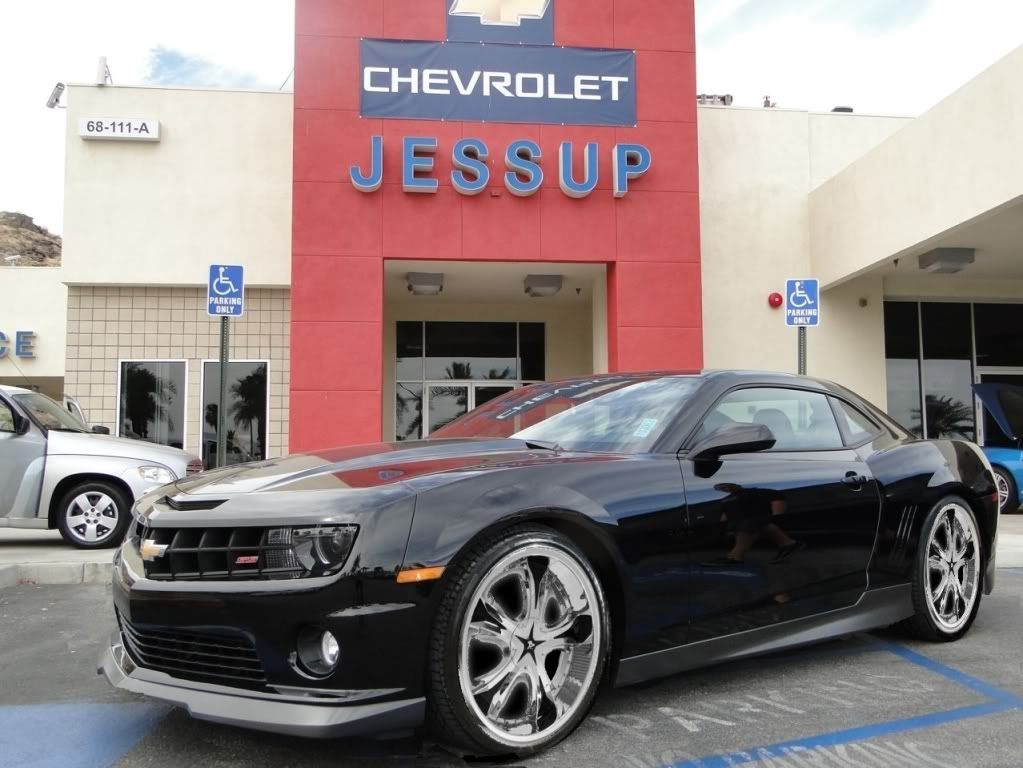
322, 716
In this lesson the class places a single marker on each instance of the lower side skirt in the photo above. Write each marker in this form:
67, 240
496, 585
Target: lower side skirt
876, 608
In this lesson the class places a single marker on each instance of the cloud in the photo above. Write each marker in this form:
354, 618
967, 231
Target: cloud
171, 67
880, 56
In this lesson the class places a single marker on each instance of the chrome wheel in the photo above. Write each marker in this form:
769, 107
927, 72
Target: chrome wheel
92, 516
953, 567
530, 644
1003, 491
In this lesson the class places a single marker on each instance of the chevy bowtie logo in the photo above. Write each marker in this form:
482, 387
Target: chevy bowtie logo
150, 550
509, 13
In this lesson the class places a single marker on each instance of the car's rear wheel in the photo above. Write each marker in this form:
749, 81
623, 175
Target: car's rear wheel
520, 645
948, 572
1008, 497
93, 515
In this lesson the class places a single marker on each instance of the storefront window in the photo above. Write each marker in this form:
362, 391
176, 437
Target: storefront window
999, 340
948, 370
902, 363
431, 356
246, 412
151, 402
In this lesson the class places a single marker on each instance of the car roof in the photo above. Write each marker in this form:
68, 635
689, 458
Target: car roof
14, 390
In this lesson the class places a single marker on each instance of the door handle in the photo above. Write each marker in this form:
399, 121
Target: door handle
855, 481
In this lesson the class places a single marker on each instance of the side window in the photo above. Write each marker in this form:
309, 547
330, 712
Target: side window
857, 426
6, 418
800, 421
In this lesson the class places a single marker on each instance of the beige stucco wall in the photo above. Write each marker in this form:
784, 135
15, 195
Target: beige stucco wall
569, 336
216, 188
34, 299
757, 168
959, 161
108, 324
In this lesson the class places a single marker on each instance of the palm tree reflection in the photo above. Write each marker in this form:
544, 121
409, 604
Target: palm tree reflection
946, 417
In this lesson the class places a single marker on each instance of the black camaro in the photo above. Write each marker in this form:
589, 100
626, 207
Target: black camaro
488, 582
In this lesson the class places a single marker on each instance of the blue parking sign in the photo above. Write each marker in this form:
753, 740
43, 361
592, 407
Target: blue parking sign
803, 303
225, 294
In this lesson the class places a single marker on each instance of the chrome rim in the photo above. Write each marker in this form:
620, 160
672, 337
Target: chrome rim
953, 567
92, 516
530, 644
1003, 491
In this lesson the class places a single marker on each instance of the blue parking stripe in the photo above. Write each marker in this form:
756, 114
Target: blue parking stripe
955, 675
78, 735
999, 701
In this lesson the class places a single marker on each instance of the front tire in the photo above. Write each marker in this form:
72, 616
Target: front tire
520, 645
93, 515
1008, 497
948, 572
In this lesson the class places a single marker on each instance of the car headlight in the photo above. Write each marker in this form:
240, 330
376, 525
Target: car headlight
320, 550
158, 475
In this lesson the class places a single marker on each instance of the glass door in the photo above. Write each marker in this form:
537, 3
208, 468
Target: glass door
446, 401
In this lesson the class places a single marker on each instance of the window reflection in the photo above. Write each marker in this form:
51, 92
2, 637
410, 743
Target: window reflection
408, 414
152, 402
246, 412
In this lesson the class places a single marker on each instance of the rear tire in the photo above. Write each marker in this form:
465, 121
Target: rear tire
948, 573
520, 645
1008, 494
94, 515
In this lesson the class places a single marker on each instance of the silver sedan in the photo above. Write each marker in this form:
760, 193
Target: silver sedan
56, 473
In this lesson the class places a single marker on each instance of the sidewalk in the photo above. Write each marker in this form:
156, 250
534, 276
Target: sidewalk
42, 557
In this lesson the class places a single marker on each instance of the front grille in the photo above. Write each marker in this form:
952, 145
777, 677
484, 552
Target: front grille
228, 658
194, 468
201, 554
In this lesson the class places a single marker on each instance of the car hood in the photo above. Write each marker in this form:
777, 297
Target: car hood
89, 444
364, 467
1005, 404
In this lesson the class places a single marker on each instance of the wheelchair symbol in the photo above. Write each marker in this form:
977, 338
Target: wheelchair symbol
799, 299
223, 286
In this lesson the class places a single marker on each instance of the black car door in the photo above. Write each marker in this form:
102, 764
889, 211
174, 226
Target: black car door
783, 533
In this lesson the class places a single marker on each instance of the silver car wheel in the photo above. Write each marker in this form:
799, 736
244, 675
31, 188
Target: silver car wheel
92, 516
953, 567
1003, 491
529, 644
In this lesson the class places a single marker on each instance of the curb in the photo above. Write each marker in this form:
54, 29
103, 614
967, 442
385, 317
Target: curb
55, 573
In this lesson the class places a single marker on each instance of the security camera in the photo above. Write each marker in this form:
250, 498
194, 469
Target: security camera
54, 99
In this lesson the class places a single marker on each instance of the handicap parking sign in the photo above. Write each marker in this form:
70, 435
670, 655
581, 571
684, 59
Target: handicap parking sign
225, 294
803, 303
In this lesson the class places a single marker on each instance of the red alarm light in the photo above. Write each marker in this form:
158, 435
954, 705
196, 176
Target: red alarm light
775, 300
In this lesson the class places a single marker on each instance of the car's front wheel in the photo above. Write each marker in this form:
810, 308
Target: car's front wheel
93, 515
1008, 498
520, 645
948, 572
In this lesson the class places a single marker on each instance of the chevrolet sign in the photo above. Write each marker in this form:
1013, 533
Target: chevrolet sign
475, 82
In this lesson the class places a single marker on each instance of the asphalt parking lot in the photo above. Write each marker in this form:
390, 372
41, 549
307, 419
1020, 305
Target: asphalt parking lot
868, 700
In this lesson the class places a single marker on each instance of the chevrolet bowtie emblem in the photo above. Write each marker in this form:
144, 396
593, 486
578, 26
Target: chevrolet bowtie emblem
505, 12
150, 550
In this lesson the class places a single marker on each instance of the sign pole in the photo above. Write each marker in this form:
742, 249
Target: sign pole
225, 354
225, 298
802, 350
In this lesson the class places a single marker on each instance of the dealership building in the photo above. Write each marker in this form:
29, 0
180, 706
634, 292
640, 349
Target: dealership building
464, 197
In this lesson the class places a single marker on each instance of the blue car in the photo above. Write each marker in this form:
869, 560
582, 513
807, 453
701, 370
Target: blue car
1004, 403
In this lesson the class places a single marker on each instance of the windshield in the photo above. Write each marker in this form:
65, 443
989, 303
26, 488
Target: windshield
49, 414
614, 414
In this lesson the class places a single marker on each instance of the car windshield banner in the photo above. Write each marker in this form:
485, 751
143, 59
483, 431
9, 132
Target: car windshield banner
498, 83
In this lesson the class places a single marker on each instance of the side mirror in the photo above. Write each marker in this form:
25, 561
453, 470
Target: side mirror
733, 438
99, 430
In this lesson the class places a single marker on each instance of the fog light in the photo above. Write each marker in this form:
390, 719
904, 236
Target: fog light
318, 651
329, 649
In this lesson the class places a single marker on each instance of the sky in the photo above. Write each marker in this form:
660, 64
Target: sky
879, 56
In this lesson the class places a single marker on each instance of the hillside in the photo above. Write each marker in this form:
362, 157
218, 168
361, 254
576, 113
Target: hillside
25, 244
